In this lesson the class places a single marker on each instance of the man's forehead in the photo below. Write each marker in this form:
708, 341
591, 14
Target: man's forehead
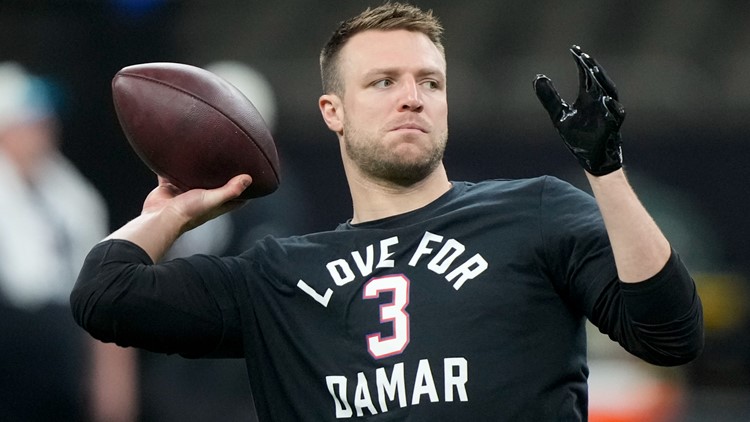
391, 48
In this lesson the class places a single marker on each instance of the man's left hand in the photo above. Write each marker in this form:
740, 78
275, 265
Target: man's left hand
590, 127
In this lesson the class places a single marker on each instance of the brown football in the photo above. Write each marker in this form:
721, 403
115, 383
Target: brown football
193, 128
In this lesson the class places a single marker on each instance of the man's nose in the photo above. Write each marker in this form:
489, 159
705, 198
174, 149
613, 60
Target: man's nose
411, 97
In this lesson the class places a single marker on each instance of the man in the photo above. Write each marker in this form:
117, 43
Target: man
438, 300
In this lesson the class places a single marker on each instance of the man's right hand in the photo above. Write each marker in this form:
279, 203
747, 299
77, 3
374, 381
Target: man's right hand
168, 212
196, 206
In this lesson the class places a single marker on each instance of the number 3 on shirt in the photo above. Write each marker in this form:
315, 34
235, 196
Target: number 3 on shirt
393, 312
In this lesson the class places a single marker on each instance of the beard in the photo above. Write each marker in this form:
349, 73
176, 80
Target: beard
377, 160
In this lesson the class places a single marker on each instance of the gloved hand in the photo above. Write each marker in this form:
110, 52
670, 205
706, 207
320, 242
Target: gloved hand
591, 127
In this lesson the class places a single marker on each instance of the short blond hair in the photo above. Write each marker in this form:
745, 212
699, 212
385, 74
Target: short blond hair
389, 16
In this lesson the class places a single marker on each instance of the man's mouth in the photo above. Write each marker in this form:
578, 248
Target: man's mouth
410, 127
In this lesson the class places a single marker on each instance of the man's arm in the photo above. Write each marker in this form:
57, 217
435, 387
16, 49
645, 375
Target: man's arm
590, 128
639, 247
120, 296
653, 309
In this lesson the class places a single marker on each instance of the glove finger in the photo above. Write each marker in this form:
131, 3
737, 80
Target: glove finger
549, 97
607, 85
587, 84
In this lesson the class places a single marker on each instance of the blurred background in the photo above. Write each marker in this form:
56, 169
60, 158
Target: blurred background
681, 68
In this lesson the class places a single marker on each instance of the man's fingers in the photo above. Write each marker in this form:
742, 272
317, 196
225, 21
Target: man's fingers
201, 205
592, 76
583, 74
587, 83
232, 189
600, 75
549, 97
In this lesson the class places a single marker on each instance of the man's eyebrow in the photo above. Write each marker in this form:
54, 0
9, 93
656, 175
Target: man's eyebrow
387, 71
381, 71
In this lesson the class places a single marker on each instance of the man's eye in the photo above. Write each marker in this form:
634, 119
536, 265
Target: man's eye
431, 84
383, 83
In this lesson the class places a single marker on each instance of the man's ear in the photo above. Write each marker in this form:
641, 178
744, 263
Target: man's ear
333, 113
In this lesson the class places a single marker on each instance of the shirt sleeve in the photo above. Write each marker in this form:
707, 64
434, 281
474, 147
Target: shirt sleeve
659, 320
121, 296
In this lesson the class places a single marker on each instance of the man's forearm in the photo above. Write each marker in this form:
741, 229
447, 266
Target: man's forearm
154, 232
639, 247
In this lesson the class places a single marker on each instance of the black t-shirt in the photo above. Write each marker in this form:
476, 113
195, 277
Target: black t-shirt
470, 308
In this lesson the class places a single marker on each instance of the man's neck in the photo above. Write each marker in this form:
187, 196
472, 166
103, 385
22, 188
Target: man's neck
374, 201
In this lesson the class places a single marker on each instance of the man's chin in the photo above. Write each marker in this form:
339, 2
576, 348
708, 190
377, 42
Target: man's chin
405, 172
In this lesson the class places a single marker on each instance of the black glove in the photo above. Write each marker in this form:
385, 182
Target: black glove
591, 127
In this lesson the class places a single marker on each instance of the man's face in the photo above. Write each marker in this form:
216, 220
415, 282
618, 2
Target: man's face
395, 113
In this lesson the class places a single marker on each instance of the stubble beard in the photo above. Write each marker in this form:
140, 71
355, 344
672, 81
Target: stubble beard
376, 160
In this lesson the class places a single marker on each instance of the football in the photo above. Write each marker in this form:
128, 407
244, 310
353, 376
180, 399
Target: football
194, 128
